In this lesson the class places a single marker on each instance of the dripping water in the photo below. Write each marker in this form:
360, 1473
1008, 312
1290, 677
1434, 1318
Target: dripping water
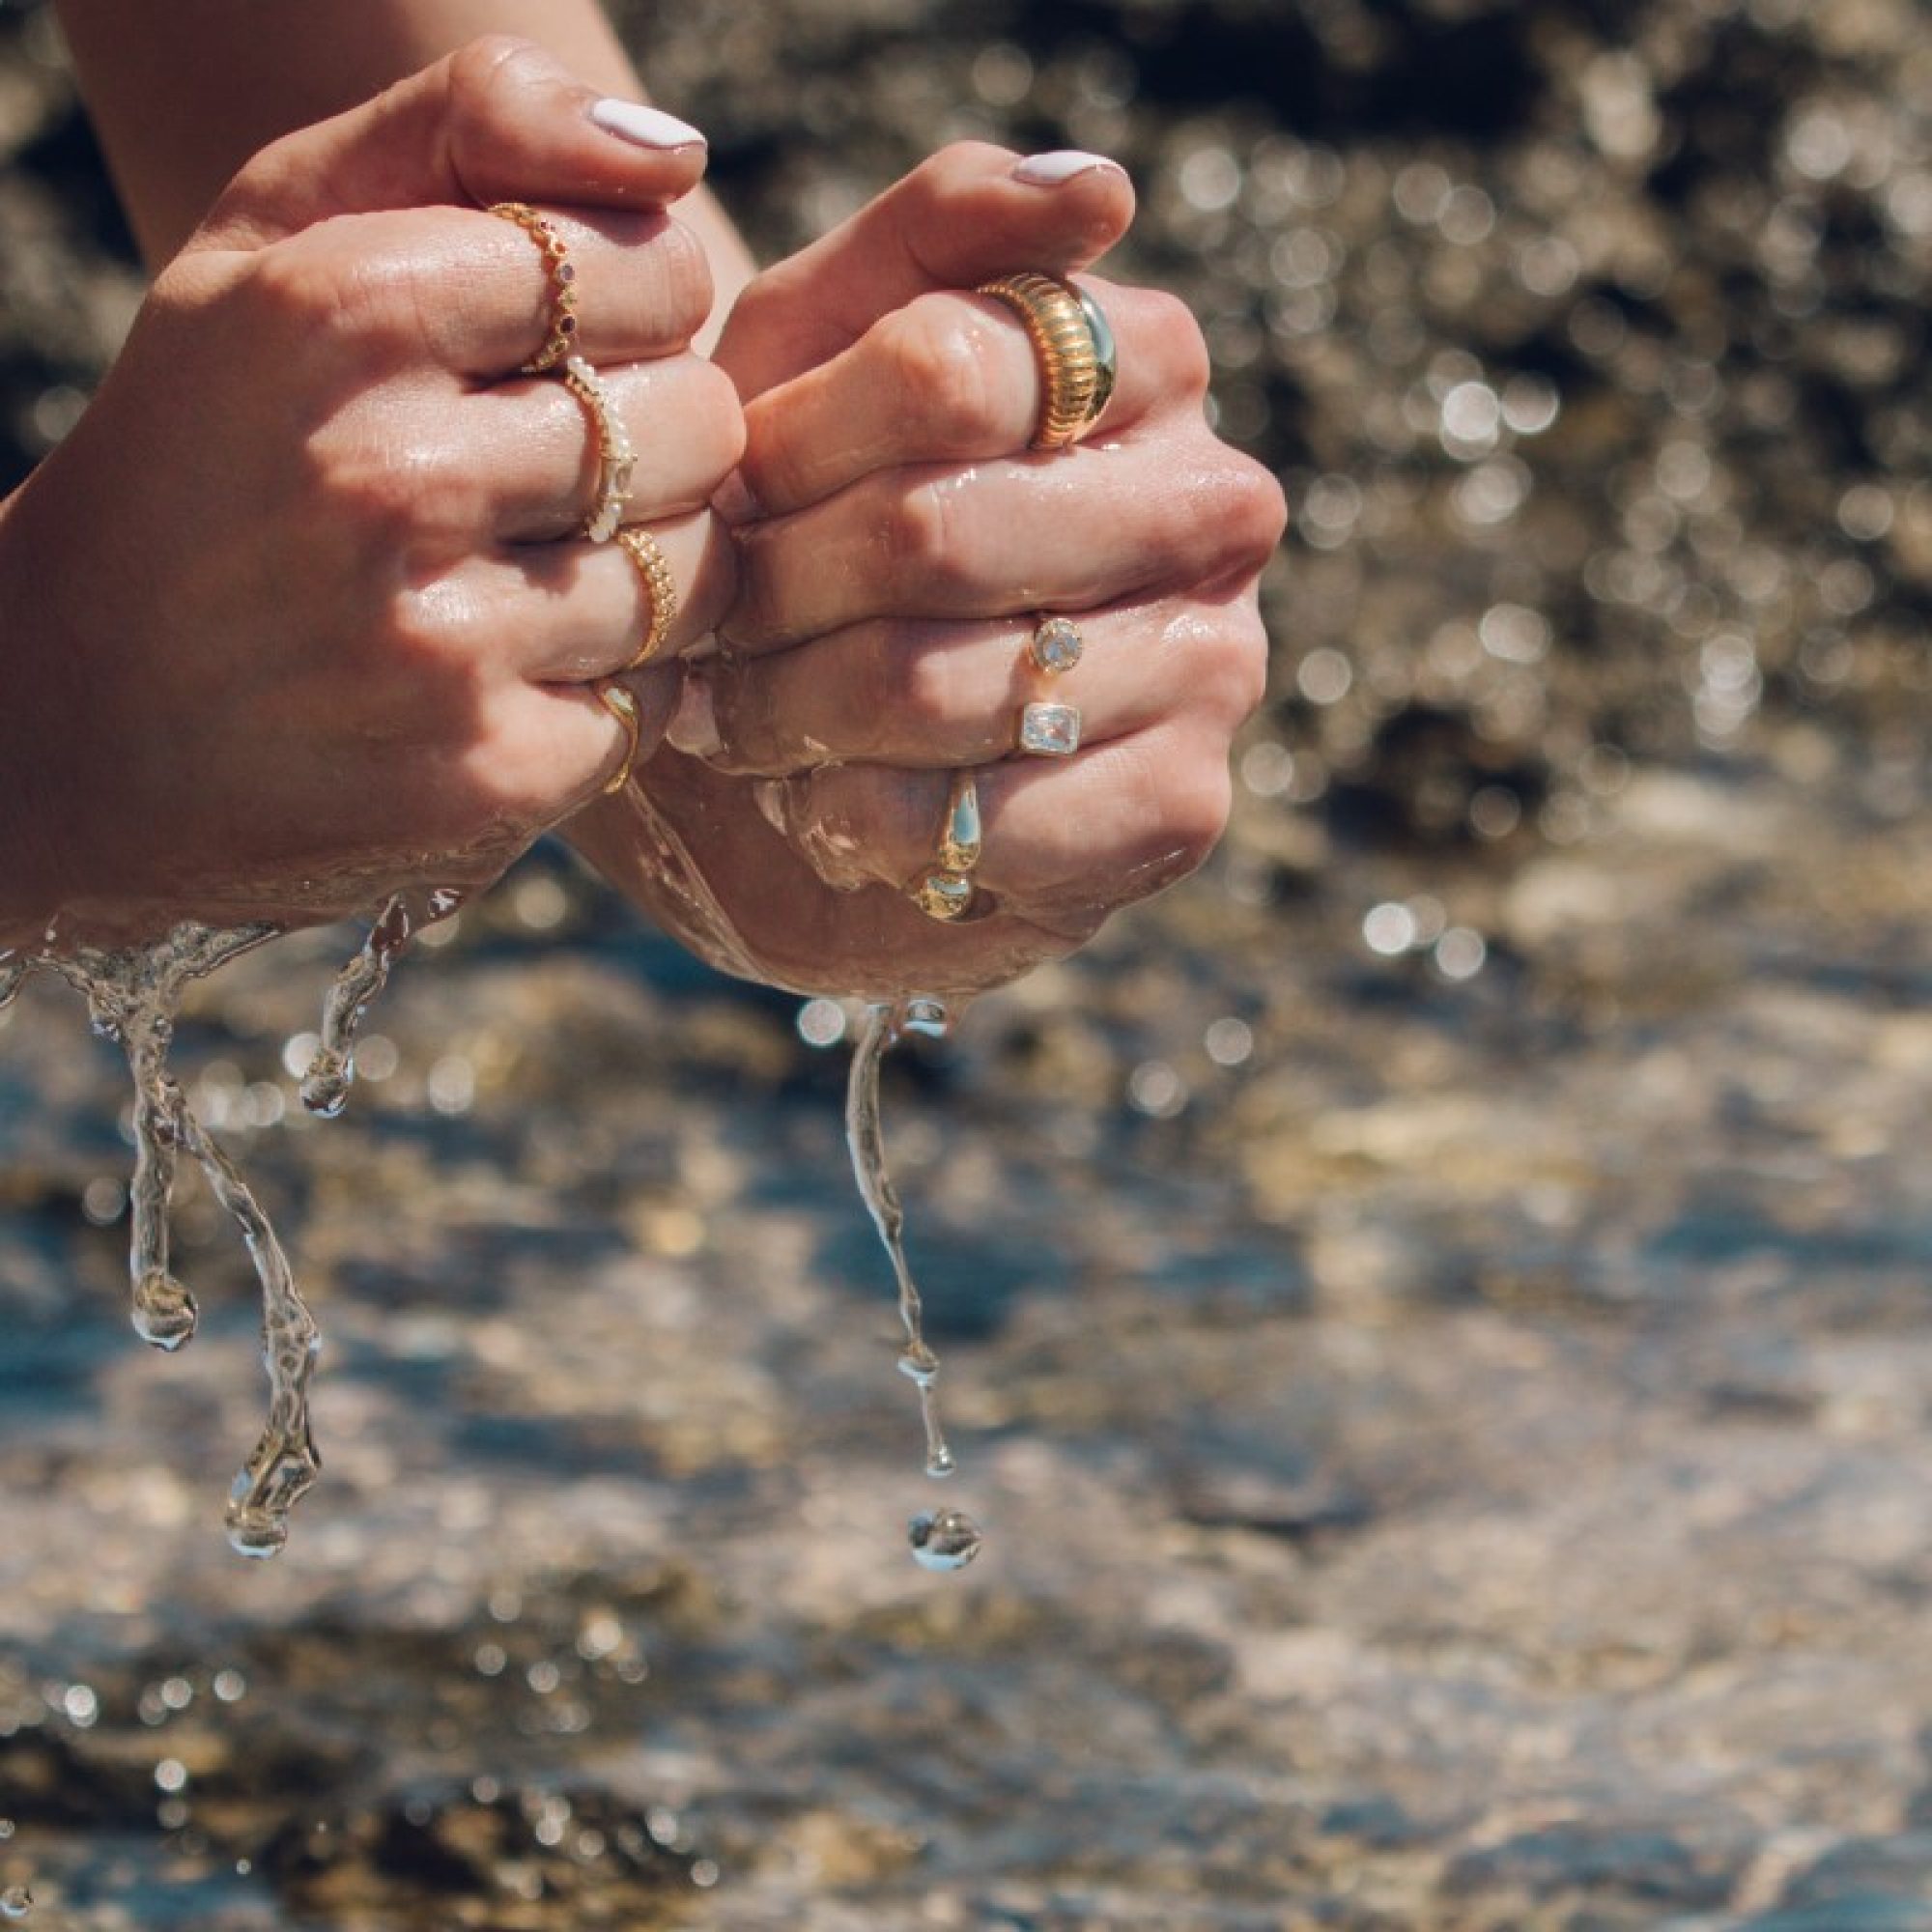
948, 1539
324, 1087
133, 994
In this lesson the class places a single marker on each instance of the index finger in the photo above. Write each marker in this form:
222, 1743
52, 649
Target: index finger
950, 378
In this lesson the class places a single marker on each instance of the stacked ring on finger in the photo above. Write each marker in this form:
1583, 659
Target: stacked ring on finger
616, 459
660, 590
945, 892
561, 330
1049, 729
1078, 361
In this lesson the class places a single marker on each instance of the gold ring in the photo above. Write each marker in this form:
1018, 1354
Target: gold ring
623, 707
617, 460
561, 330
1078, 360
946, 892
659, 589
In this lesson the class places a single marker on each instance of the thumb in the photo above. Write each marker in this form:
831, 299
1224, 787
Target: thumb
499, 120
969, 213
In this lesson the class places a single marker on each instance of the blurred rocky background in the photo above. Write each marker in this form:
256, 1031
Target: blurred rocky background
1434, 1310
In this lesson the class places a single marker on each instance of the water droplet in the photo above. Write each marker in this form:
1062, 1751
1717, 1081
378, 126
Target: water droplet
15, 1902
943, 1539
921, 1364
163, 1312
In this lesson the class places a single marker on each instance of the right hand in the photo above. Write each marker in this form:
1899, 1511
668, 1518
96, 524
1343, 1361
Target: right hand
292, 616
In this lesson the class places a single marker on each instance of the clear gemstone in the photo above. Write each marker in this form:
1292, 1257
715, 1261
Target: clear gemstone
1055, 645
1050, 731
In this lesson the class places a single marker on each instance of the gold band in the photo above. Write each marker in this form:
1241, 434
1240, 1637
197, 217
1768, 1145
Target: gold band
623, 707
946, 892
1075, 351
561, 330
659, 589
617, 460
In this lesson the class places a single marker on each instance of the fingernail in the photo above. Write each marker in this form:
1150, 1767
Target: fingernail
1063, 165
693, 725
644, 127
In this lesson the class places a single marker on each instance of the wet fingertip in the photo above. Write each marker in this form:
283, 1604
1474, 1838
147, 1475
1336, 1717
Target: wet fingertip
644, 127
1060, 165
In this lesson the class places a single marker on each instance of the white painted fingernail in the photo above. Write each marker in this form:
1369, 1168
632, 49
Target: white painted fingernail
693, 725
1063, 165
644, 127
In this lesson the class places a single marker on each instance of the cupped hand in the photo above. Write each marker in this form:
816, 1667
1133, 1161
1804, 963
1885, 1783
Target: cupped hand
296, 614
898, 544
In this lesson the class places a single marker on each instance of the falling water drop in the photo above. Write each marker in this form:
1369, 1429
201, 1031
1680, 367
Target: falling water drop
944, 1539
163, 1312
15, 1902
324, 1087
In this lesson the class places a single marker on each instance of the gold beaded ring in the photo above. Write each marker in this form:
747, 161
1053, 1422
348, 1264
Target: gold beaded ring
660, 590
560, 332
617, 460
623, 707
1074, 345
946, 892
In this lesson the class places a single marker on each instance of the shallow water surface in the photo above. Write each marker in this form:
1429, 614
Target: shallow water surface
1461, 1463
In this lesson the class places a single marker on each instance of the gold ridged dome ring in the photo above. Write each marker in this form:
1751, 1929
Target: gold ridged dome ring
1078, 360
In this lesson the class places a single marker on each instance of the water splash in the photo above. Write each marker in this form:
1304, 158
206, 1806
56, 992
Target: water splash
133, 996
324, 1087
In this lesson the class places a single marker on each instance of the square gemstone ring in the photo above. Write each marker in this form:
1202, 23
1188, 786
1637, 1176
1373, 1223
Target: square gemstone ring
1050, 731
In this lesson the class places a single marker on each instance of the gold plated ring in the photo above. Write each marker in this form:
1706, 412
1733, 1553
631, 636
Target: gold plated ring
1074, 345
561, 330
659, 589
946, 892
617, 460
623, 707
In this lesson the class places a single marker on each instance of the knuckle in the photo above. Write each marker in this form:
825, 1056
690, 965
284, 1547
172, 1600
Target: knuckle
1177, 339
1226, 672
682, 272
1196, 801
941, 373
928, 544
906, 690
476, 70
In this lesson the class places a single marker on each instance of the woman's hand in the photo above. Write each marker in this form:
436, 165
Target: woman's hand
897, 544
294, 614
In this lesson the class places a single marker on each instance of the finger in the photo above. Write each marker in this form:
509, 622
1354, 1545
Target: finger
1059, 531
499, 120
572, 612
952, 378
1061, 841
470, 293
568, 740
968, 213
540, 445
940, 695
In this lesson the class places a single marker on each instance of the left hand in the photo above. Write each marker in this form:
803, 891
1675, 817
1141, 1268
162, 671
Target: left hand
897, 544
